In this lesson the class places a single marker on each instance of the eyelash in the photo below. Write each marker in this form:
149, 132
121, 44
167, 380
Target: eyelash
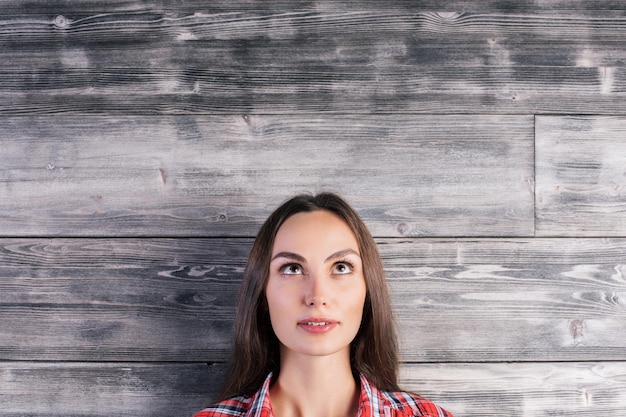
285, 266
349, 264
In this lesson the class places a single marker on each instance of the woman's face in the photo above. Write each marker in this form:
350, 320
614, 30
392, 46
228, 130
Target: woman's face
316, 289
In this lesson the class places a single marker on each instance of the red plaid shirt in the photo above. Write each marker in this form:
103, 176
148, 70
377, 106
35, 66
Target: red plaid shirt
372, 403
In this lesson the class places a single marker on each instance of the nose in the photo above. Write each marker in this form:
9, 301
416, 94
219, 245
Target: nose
317, 291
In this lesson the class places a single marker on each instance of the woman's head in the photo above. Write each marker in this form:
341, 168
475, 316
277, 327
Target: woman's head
315, 291
373, 350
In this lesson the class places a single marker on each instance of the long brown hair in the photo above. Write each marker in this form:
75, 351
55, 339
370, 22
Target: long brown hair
256, 348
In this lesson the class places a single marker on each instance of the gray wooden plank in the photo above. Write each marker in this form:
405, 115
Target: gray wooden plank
173, 299
413, 89
522, 389
560, 7
491, 28
106, 389
222, 175
554, 299
136, 299
410, 89
474, 389
167, 66
581, 176
345, 60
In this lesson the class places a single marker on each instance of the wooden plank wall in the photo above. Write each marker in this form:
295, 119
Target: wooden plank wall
144, 141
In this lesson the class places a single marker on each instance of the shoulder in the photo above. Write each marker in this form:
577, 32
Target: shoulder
406, 404
234, 407
375, 402
257, 405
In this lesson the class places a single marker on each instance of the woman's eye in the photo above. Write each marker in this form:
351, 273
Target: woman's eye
342, 268
291, 269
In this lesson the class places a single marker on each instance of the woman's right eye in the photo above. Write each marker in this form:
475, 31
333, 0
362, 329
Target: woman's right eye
291, 269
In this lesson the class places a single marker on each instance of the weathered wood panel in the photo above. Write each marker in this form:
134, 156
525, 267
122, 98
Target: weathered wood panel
470, 390
581, 176
106, 389
558, 7
496, 325
172, 299
522, 389
136, 299
333, 59
338, 39
485, 300
515, 90
221, 176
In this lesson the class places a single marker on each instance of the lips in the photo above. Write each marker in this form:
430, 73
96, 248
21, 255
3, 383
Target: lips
317, 325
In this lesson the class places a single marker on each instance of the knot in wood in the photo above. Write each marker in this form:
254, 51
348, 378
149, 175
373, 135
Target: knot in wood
61, 22
577, 329
403, 228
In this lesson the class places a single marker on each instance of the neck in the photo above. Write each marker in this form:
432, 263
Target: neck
315, 387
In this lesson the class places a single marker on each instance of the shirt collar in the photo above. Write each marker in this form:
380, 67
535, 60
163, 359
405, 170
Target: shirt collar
371, 402
260, 405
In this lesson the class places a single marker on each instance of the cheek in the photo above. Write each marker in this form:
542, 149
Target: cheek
278, 303
356, 301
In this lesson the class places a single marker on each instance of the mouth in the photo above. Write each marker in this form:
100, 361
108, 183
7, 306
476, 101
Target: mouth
317, 325
317, 321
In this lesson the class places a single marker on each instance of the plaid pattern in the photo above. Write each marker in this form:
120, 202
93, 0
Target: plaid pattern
372, 403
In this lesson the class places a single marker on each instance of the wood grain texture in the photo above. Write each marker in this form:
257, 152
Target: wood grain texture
522, 389
519, 90
136, 299
222, 176
143, 142
106, 389
351, 35
172, 299
483, 300
472, 390
331, 59
558, 7
581, 176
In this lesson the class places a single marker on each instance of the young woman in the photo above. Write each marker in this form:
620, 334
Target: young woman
314, 331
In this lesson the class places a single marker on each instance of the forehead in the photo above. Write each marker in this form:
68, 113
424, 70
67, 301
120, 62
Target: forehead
319, 229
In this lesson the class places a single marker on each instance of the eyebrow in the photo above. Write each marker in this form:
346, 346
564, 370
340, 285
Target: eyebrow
342, 253
300, 258
289, 255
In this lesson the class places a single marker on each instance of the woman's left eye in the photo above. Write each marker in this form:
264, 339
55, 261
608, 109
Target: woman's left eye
342, 268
